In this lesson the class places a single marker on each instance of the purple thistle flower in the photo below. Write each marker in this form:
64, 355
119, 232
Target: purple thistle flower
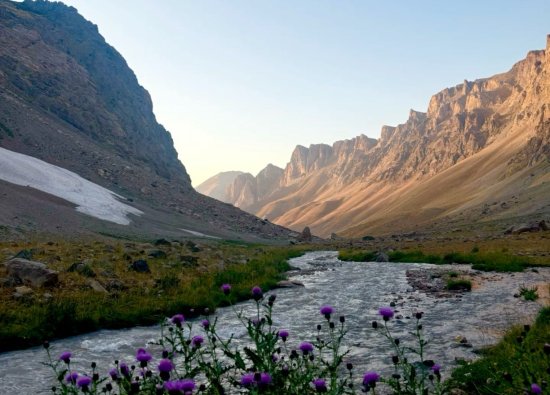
436, 368
247, 379
124, 369
71, 377
327, 310
257, 293
83, 382
265, 380
535, 389
386, 313
370, 379
226, 288
197, 341
187, 385
65, 357
173, 387
113, 373
283, 334
205, 324
320, 385
142, 355
165, 365
178, 319
306, 347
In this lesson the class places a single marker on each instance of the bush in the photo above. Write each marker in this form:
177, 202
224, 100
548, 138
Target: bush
529, 294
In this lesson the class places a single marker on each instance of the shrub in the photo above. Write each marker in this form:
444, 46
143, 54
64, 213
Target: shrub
529, 293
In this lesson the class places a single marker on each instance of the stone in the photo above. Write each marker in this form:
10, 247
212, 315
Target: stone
159, 254
31, 273
382, 257
22, 292
140, 266
162, 242
189, 260
24, 254
115, 285
305, 235
96, 286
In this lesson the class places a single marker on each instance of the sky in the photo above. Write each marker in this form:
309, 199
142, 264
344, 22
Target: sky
240, 83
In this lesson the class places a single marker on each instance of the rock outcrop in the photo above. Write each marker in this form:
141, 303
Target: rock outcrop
35, 274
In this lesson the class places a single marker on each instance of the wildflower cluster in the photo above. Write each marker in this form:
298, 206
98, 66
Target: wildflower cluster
198, 361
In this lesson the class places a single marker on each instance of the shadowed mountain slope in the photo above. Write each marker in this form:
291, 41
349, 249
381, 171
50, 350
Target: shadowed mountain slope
69, 98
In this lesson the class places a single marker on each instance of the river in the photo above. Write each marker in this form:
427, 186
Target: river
356, 290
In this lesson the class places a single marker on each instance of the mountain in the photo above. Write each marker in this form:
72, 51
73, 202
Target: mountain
243, 189
217, 185
70, 104
480, 155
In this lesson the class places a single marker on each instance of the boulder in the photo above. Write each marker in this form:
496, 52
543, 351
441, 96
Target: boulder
140, 266
162, 242
381, 257
24, 254
305, 235
31, 273
157, 254
189, 260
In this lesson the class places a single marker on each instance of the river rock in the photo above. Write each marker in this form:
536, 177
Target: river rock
289, 284
31, 273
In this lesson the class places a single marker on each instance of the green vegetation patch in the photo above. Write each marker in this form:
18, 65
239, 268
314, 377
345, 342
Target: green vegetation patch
131, 298
484, 261
519, 360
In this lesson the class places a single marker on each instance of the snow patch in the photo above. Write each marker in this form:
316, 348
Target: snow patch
90, 198
199, 234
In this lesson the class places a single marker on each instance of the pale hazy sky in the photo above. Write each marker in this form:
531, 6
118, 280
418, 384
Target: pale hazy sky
240, 83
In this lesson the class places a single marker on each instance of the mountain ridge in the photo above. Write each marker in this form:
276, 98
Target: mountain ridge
363, 189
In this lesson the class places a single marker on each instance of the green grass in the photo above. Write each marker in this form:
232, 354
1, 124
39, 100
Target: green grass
511, 365
485, 261
356, 256
146, 298
459, 284
529, 294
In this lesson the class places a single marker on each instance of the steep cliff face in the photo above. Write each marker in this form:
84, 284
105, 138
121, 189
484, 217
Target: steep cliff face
500, 123
53, 58
69, 98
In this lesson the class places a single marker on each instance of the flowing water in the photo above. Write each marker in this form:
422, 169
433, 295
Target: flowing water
356, 290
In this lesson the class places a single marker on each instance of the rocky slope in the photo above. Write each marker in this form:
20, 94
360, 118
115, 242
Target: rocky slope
69, 98
480, 153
